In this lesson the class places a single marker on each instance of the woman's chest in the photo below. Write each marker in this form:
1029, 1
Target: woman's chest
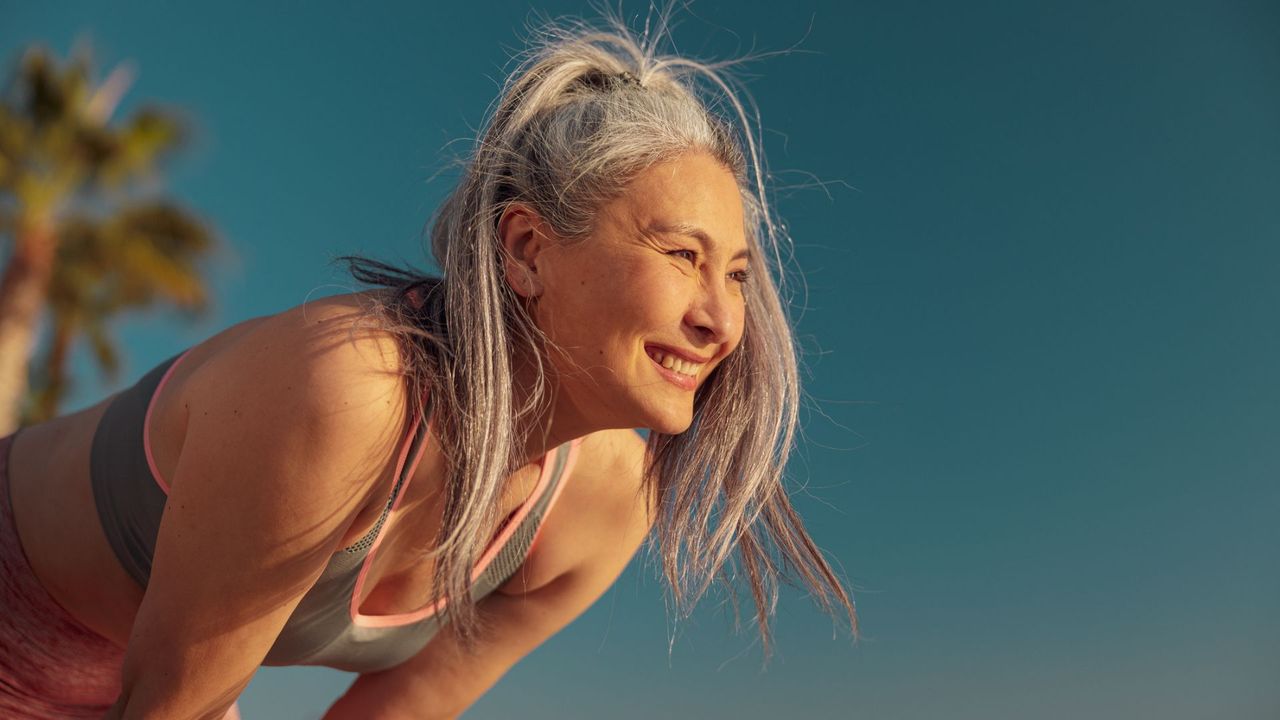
398, 573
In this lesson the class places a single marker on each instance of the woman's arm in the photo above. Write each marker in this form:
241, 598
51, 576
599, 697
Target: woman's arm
287, 435
586, 541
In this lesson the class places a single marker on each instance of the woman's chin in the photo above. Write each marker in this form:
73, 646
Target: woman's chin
670, 425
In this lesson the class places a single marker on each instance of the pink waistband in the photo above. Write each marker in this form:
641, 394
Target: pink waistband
51, 666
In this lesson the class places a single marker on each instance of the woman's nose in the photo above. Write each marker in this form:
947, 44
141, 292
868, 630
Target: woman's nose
716, 314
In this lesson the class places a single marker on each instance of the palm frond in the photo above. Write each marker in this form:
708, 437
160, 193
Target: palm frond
63, 163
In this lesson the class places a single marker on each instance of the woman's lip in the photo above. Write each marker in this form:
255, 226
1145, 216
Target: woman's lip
680, 380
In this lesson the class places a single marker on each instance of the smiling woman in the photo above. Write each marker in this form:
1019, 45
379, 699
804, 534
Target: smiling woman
640, 314
423, 481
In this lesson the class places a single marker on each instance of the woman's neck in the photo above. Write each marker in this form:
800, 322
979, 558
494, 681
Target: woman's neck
555, 421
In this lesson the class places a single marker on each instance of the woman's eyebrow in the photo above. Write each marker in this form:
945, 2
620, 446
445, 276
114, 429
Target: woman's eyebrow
695, 232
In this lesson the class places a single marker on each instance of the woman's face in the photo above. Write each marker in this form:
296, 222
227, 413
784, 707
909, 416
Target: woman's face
652, 302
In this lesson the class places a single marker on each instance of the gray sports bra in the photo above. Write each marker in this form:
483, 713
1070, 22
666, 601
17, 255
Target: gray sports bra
326, 628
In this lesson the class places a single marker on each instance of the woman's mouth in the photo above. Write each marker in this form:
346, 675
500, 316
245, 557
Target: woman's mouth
676, 370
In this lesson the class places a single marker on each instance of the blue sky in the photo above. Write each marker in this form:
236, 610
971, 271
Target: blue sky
1041, 243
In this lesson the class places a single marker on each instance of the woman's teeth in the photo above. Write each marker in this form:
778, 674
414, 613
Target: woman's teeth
680, 365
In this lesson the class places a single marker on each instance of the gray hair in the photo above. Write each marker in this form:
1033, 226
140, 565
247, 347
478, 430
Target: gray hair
586, 111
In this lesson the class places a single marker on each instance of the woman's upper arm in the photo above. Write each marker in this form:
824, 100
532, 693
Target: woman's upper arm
286, 437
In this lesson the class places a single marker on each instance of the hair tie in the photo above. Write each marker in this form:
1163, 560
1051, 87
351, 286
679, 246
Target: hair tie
605, 82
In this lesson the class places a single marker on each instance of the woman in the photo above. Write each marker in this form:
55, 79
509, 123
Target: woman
423, 481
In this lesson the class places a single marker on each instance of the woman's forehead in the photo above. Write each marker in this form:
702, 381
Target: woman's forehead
693, 178
706, 198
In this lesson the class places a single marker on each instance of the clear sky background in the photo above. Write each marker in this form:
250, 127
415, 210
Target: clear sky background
1042, 243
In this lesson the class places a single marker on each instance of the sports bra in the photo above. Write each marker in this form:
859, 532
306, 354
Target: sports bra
326, 628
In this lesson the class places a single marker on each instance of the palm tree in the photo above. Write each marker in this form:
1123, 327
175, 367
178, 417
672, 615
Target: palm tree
82, 242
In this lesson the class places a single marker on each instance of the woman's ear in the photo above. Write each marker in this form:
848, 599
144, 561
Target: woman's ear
520, 230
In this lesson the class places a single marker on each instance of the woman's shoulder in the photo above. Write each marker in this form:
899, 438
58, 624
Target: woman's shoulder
320, 377
331, 348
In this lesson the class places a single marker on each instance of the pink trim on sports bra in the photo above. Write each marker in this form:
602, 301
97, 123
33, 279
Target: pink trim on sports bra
495, 545
146, 424
568, 465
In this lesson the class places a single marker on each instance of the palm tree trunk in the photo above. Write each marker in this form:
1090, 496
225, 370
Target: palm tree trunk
50, 396
23, 287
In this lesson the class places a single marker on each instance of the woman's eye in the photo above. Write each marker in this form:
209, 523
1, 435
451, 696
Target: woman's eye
686, 254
